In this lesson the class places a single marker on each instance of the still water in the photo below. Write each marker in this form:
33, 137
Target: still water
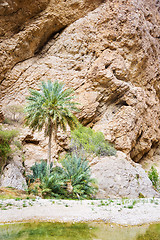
78, 231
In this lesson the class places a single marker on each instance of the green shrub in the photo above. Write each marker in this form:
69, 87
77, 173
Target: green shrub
7, 121
72, 180
6, 137
85, 140
153, 176
141, 195
78, 177
51, 184
54, 185
39, 171
5, 150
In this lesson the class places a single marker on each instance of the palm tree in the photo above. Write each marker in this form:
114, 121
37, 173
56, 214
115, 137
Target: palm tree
49, 108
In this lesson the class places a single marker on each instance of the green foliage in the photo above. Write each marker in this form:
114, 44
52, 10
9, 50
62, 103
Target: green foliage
85, 139
7, 121
5, 150
18, 144
51, 105
6, 137
141, 195
54, 184
152, 233
153, 176
72, 180
39, 171
49, 108
77, 173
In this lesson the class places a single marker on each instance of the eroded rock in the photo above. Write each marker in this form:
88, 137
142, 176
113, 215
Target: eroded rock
25, 26
119, 177
110, 57
13, 177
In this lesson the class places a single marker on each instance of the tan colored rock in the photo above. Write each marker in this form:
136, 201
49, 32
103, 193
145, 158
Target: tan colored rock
152, 159
110, 57
25, 26
121, 178
1, 115
130, 126
16, 13
35, 147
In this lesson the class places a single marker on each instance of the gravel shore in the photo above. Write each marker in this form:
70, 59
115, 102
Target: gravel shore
119, 211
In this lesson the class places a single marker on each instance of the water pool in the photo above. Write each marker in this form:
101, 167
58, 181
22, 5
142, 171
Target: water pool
77, 231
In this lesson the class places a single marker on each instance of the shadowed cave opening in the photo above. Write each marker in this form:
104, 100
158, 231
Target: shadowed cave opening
30, 139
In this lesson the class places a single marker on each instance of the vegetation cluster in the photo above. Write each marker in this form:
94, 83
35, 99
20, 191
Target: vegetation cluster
6, 138
85, 141
52, 108
71, 180
154, 177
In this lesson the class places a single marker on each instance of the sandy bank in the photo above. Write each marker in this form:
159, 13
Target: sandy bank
124, 212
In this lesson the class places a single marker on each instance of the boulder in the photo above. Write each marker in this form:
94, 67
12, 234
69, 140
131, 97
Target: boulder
13, 177
119, 177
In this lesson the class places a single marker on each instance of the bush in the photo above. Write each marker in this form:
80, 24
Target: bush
85, 140
153, 176
39, 171
78, 177
72, 180
5, 151
6, 137
54, 185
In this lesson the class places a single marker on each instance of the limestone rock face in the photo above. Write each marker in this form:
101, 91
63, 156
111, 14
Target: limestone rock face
110, 57
35, 147
13, 176
26, 25
13, 170
118, 177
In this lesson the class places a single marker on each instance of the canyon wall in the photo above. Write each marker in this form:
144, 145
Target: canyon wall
107, 51
110, 57
25, 26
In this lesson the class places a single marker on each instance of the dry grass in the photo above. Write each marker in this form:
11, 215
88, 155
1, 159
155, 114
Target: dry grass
12, 193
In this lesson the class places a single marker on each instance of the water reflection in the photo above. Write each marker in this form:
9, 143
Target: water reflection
152, 233
78, 231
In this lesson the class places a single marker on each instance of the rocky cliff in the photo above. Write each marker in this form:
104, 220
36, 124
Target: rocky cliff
108, 51
25, 26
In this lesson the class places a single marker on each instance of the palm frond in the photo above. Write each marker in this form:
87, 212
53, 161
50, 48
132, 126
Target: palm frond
52, 102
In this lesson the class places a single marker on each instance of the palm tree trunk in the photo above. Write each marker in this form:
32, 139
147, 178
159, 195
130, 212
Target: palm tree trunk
55, 136
49, 145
